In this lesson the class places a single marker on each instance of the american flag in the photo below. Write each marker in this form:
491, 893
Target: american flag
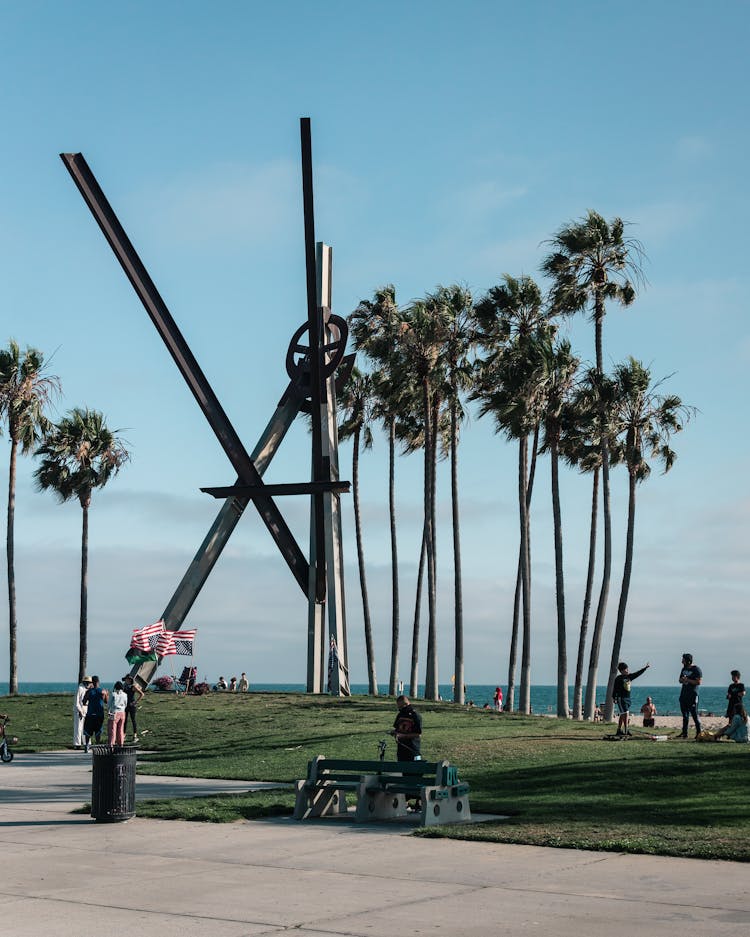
145, 639
176, 642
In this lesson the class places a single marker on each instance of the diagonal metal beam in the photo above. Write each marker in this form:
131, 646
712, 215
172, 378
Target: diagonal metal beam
294, 488
185, 360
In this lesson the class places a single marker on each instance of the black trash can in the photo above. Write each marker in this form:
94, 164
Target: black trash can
113, 783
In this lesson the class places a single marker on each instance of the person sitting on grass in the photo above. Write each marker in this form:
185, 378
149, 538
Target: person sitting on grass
737, 728
621, 695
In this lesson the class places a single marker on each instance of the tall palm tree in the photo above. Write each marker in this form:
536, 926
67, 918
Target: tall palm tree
592, 263
510, 318
426, 325
579, 445
560, 366
355, 403
376, 326
646, 422
25, 393
457, 350
78, 455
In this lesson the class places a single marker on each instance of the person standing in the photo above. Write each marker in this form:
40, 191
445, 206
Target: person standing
735, 693
118, 700
243, 686
94, 698
134, 694
690, 679
79, 711
497, 699
407, 730
621, 695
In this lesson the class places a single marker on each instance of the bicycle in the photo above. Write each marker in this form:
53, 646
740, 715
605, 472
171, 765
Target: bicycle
6, 740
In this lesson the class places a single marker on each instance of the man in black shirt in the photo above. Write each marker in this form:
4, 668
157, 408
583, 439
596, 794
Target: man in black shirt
690, 679
407, 730
621, 695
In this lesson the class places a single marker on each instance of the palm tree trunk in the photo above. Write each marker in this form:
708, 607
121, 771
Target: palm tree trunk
458, 669
624, 590
513, 656
525, 694
601, 609
578, 691
430, 682
413, 681
393, 677
371, 678
83, 621
10, 552
563, 710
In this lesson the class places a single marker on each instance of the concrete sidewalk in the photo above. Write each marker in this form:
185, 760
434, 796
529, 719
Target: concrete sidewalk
64, 874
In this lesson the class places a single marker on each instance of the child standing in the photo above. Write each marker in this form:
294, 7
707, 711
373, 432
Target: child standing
621, 695
735, 693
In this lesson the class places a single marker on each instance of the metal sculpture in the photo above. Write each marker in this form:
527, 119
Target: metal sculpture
315, 371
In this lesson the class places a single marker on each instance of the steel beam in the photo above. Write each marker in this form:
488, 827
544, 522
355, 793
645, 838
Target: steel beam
301, 488
185, 360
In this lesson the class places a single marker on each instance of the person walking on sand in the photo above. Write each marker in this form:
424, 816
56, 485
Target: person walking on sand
621, 695
690, 679
79, 712
118, 701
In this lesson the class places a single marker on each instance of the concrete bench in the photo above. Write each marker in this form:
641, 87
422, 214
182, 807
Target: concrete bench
383, 789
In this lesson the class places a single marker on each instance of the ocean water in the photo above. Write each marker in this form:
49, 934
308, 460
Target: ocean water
543, 697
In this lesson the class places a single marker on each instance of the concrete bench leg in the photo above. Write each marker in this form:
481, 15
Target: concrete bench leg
436, 812
378, 805
318, 802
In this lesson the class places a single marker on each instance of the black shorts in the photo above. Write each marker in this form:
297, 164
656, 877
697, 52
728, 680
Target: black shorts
92, 725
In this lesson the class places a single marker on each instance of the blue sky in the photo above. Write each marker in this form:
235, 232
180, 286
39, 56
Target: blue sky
448, 145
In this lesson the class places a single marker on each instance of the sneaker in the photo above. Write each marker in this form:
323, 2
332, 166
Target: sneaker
682, 735
135, 739
619, 732
86, 749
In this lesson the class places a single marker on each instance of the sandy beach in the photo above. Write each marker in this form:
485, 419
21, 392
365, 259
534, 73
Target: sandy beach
674, 723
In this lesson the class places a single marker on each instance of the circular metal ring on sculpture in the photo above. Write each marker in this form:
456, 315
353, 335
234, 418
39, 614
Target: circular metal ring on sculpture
331, 354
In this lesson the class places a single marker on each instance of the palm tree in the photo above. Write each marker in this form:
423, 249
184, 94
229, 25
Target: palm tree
355, 403
593, 263
459, 371
579, 445
78, 455
646, 421
560, 366
25, 392
376, 326
425, 330
509, 319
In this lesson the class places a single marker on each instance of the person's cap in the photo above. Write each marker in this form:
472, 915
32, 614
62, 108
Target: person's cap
86, 680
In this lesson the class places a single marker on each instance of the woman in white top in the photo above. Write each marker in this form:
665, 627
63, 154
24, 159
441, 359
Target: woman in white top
118, 701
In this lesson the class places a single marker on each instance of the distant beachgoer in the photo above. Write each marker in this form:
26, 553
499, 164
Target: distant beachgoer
118, 701
598, 714
621, 695
735, 693
243, 686
221, 684
134, 694
233, 684
94, 698
79, 712
690, 679
737, 728
497, 699
649, 711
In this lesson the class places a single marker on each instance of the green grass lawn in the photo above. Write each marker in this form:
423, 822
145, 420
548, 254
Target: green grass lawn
558, 781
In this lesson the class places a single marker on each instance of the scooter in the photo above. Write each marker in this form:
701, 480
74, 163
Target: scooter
6, 740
